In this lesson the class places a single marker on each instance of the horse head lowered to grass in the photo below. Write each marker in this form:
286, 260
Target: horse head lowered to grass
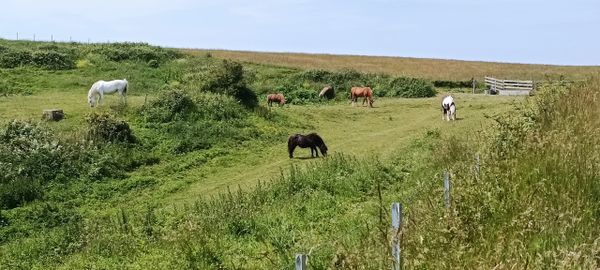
303, 141
365, 92
100, 88
448, 108
279, 98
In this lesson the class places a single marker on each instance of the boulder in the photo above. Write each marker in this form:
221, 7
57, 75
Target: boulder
53, 115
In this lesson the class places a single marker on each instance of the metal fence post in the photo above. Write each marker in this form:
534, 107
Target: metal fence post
447, 187
301, 262
397, 227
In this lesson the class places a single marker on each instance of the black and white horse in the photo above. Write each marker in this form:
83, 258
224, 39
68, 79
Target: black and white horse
448, 108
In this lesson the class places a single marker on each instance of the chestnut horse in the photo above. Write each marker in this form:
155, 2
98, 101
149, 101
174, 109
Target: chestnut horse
279, 98
311, 140
365, 92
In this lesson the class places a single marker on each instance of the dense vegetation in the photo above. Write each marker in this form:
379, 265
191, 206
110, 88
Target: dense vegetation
66, 192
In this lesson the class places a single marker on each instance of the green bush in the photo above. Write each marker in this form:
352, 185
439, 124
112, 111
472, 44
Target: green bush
452, 84
169, 106
15, 58
30, 157
52, 60
408, 88
227, 77
302, 96
104, 127
218, 107
132, 52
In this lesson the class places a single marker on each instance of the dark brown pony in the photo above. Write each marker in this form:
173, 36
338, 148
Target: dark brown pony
366, 92
279, 98
311, 140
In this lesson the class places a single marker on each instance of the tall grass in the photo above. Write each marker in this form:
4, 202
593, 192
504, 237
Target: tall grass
534, 201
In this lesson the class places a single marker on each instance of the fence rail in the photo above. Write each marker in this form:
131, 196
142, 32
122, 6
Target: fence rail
509, 87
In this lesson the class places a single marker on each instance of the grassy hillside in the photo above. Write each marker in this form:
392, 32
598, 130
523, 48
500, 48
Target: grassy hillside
433, 69
191, 173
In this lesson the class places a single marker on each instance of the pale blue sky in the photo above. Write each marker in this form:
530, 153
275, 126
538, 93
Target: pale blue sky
527, 31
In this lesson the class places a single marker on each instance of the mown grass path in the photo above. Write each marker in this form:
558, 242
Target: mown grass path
357, 131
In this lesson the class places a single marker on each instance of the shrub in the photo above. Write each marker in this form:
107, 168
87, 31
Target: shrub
409, 88
452, 84
133, 52
31, 157
218, 107
105, 127
302, 96
227, 77
52, 60
169, 106
15, 58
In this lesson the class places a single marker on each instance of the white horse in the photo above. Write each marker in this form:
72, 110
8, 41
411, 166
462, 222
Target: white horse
448, 108
101, 88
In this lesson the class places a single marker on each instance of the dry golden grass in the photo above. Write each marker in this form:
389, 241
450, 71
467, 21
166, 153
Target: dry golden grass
435, 69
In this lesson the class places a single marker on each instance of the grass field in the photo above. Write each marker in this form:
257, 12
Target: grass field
207, 182
355, 131
434, 69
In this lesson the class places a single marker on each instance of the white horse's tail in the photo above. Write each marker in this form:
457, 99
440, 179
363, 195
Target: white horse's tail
125, 88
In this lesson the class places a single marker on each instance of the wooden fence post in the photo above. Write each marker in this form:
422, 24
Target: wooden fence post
301, 262
397, 227
447, 189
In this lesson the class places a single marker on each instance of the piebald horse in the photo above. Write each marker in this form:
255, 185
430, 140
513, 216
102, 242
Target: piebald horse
100, 88
448, 108
366, 92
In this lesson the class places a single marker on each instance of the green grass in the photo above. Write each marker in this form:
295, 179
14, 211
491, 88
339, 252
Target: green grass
243, 204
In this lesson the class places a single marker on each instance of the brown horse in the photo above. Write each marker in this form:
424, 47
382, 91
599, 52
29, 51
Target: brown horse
365, 92
279, 98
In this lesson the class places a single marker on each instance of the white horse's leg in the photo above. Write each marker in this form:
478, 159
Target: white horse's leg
101, 98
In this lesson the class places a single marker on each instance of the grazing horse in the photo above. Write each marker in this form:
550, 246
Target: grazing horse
366, 92
101, 88
279, 98
311, 140
448, 108
327, 92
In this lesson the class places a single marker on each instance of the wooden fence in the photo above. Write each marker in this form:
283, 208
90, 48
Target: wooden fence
509, 87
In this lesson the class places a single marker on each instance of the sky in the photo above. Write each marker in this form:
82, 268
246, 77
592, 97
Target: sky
526, 31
